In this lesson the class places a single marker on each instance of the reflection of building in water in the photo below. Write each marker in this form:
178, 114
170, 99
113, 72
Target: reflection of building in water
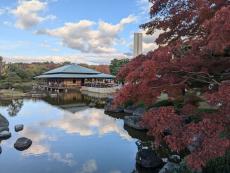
75, 101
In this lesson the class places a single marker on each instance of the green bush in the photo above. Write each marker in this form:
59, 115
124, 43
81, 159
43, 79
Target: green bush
219, 165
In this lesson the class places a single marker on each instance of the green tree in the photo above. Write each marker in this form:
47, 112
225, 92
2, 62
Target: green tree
116, 64
1, 66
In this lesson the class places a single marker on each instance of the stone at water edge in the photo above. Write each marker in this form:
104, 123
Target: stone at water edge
3, 121
109, 108
5, 135
147, 158
169, 167
129, 109
133, 122
18, 127
0, 150
139, 111
4, 129
22, 144
174, 159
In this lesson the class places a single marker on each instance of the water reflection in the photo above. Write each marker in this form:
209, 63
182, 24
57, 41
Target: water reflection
88, 122
68, 136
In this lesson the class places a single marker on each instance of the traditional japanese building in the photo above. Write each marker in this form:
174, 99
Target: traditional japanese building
74, 76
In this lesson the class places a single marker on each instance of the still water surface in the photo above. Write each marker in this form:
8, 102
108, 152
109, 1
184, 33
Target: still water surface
66, 139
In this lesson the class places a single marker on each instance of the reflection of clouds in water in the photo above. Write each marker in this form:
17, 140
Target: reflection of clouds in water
66, 159
88, 122
115, 172
38, 147
38, 138
88, 167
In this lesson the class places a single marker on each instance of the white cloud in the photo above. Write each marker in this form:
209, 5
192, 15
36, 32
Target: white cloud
144, 6
84, 37
28, 13
149, 43
92, 59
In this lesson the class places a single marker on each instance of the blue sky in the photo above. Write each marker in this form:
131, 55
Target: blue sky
82, 31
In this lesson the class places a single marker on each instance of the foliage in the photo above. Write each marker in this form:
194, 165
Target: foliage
21, 75
101, 68
116, 64
195, 56
220, 164
181, 18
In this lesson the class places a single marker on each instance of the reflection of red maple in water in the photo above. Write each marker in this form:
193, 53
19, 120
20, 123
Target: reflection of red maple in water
201, 61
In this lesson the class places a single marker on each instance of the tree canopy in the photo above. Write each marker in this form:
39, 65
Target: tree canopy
192, 66
116, 64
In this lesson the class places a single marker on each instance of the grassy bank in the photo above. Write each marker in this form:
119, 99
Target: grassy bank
6, 94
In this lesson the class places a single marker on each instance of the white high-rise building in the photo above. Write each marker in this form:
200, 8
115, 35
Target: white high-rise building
137, 46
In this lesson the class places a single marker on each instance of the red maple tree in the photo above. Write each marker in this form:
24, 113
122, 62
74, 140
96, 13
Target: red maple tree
194, 55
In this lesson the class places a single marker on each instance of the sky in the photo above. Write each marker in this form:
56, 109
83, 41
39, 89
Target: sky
80, 31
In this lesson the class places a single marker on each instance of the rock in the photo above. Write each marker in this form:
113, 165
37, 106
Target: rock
147, 158
5, 135
4, 129
22, 144
129, 109
169, 167
0, 150
109, 108
18, 127
4, 123
174, 159
139, 111
134, 122
196, 142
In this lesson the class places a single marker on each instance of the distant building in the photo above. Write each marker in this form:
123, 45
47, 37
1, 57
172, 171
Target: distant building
137, 48
73, 76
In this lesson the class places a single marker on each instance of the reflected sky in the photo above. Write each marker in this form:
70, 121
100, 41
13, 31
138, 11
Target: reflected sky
87, 141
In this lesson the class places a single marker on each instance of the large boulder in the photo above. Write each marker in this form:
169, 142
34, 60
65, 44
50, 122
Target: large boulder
110, 108
134, 122
22, 144
18, 127
139, 111
4, 129
5, 135
4, 123
130, 109
169, 167
148, 158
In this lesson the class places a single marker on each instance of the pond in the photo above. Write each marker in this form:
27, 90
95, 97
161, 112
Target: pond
68, 137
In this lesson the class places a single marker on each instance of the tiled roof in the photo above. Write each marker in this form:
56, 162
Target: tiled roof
72, 68
74, 71
77, 76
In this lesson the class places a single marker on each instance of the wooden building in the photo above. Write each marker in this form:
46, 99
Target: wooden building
73, 76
